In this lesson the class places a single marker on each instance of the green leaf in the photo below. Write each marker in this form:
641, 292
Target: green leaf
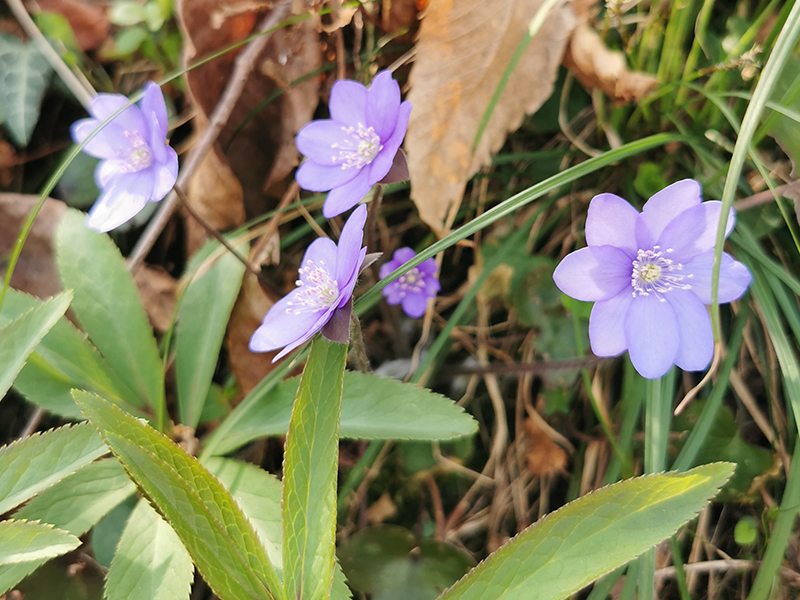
21, 335
591, 536
21, 541
124, 13
150, 563
310, 470
76, 503
204, 316
372, 408
37, 462
202, 512
108, 306
24, 75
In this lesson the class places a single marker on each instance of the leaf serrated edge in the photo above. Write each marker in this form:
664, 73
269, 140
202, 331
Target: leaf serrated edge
46, 527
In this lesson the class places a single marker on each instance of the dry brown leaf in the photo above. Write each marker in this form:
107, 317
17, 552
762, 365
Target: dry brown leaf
380, 510
158, 292
545, 457
36, 272
463, 49
89, 22
595, 66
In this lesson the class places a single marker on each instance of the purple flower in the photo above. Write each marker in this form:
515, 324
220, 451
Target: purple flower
322, 297
649, 275
138, 164
413, 289
357, 146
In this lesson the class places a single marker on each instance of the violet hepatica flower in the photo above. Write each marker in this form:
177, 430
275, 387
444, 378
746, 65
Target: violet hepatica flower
649, 275
321, 300
412, 289
357, 146
138, 165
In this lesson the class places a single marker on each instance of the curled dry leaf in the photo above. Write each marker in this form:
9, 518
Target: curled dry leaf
157, 289
595, 66
463, 49
544, 456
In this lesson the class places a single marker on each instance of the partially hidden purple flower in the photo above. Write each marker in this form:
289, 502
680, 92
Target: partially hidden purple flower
413, 289
649, 275
322, 298
357, 146
138, 165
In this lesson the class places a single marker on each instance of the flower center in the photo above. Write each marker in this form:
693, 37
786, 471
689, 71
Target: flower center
359, 147
138, 153
412, 282
654, 273
320, 293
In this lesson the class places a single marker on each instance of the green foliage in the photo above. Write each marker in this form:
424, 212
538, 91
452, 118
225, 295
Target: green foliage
746, 531
79, 501
591, 536
150, 562
202, 512
107, 304
309, 480
24, 75
21, 336
37, 462
22, 542
205, 311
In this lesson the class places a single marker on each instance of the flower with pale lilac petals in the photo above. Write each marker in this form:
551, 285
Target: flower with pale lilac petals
322, 298
649, 275
412, 289
138, 165
357, 147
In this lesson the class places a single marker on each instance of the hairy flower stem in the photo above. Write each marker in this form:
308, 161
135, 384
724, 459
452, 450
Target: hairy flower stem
357, 344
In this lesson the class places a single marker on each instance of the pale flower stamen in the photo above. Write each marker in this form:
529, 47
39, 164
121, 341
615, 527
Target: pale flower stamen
654, 273
138, 156
359, 148
412, 282
317, 290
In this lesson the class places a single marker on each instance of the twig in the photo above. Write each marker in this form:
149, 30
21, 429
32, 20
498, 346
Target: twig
765, 196
524, 367
243, 66
32, 423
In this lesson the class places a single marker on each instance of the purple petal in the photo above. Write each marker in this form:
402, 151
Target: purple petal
403, 255
346, 196
337, 329
694, 231
348, 103
696, 348
594, 273
321, 253
107, 172
667, 204
652, 335
734, 277
164, 175
432, 286
154, 110
415, 305
131, 119
383, 103
346, 292
383, 163
110, 142
287, 330
321, 141
428, 267
399, 170
120, 202
611, 221
392, 293
349, 246
607, 325
321, 178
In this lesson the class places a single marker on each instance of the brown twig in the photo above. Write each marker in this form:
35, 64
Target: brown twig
524, 367
765, 196
243, 66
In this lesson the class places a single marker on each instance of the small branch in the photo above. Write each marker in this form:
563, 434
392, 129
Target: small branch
243, 66
32, 423
765, 196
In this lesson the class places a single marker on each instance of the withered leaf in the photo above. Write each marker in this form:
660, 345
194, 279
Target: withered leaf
544, 456
157, 289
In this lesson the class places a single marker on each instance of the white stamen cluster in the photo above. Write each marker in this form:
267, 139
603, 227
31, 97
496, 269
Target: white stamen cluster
654, 273
138, 155
359, 148
320, 293
412, 282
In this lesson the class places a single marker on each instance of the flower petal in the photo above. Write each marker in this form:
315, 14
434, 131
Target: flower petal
652, 335
321, 253
415, 305
348, 103
694, 231
131, 119
346, 196
320, 141
383, 103
349, 247
154, 110
607, 325
594, 273
611, 221
107, 172
321, 178
346, 291
120, 202
403, 255
287, 330
383, 162
734, 277
667, 204
164, 175
696, 348
110, 142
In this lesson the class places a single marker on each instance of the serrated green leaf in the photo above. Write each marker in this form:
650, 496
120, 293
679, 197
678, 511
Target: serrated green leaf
77, 502
591, 536
203, 320
24, 75
310, 467
372, 408
21, 542
20, 336
150, 563
108, 306
63, 360
202, 512
41, 460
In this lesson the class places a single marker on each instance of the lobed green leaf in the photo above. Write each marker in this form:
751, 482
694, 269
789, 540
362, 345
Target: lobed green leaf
24, 75
21, 541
